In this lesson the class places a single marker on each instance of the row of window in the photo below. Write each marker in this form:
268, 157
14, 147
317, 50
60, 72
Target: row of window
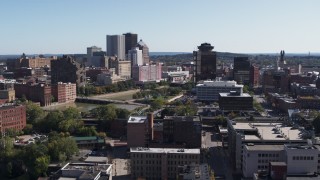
268, 155
299, 158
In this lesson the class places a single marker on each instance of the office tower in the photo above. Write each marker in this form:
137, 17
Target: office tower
66, 70
130, 41
254, 76
241, 70
91, 51
205, 60
135, 56
145, 51
116, 46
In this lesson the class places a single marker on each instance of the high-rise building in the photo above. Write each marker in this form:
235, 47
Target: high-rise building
130, 41
254, 76
66, 70
135, 56
145, 51
116, 46
241, 70
205, 62
91, 51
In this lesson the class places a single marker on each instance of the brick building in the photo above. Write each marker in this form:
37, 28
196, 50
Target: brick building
153, 163
254, 76
64, 92
147, 73
12, 117
235, 101
34, 92
66, 70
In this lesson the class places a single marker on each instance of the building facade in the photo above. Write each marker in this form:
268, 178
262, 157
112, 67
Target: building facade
131, 40
205, 62
35, 92
116, 46
209, 90
145, 51
64, 92
66, 70
161, 163
135, 56
241, 70
12, 117
234, 101
147, 73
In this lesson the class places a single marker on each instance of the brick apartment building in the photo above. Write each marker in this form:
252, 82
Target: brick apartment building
12, 117
64, 92
35, 92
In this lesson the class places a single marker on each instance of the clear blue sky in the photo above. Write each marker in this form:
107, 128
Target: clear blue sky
242, 26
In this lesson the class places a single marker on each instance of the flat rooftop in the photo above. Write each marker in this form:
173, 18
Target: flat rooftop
137, 119
231, 95
264, 147
268, 131
220, 84
164, 150
97, 159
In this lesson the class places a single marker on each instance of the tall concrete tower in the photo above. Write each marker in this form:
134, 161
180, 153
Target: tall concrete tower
116, 46
205, 62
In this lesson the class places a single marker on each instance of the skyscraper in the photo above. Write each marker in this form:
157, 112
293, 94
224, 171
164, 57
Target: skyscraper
205, 62
145, 51
131, 41
90, 54
116, 46
241, 70
135, 56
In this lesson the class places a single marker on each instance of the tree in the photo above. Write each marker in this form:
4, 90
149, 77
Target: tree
157, 103
106, 112
122, 113
41, 165
59, 146
72, 113
34, 113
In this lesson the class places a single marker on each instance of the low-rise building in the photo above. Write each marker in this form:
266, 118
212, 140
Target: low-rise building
146, 73
234, 101
64, 92
209, 90
84, 171
139, 131
12, 117
268, 132
153, 163
196, 172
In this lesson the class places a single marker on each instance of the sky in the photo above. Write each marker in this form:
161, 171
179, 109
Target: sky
239, 26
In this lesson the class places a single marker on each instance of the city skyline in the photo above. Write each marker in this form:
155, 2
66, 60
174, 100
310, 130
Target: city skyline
66, 27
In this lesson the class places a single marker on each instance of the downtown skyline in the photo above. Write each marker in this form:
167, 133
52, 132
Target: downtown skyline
65, 27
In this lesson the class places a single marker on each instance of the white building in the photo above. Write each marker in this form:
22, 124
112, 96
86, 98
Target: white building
301, 159
88, 171
135, 56
116, 46
153, 163
209, 90
268, 132
257, 157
